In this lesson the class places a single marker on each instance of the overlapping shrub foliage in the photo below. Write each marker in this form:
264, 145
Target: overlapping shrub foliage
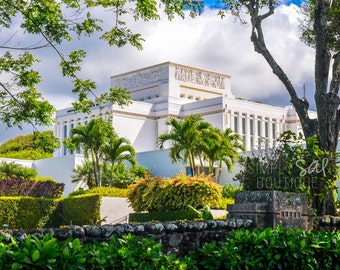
26, 212
103, 191
242, 249
32, 188
156, 195
269, 248
163, 216
79, 210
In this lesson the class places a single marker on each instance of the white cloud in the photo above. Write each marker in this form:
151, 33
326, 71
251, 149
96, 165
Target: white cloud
208, 42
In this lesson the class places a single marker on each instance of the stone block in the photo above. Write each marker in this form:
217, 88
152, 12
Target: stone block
271, 208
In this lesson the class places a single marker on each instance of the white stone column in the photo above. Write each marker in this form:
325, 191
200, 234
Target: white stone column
239, 126
247, 134
270, 132
231, 123
57, 133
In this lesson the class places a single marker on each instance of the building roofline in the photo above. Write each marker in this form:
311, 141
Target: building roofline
168, 63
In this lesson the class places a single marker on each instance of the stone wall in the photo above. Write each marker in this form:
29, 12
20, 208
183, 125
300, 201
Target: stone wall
328, 223
177, 238
269, 208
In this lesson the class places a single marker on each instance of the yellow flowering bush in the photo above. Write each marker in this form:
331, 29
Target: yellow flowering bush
154, 194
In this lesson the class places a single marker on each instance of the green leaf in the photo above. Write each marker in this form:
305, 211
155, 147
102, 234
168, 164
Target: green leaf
277, 257
35, 255
76, 244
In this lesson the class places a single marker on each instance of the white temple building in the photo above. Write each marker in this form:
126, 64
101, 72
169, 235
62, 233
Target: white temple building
173, 90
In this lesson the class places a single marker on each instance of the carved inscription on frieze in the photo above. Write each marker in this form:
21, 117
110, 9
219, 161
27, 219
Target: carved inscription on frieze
199, 77
138, 79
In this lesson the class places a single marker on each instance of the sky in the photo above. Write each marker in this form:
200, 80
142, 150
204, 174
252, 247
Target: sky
207, 42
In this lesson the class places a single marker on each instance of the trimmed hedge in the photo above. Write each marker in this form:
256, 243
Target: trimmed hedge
162, 216
159, 195
33, 188
80, 210
103, 191
26, 212
35, 213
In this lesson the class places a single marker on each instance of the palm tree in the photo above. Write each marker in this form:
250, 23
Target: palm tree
117, 150
85, 174
15, 170
185, 136
91, 138
221, 147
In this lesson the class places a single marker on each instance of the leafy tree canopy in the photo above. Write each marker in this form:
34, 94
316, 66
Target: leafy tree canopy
38, 145
52, 23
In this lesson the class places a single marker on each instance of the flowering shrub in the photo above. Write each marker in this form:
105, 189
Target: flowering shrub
154, 194
32, 188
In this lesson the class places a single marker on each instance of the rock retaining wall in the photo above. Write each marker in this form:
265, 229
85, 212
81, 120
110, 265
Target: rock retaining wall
177, 238
328, 223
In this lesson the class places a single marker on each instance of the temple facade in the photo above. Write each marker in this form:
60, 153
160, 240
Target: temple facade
173, 90
158, 93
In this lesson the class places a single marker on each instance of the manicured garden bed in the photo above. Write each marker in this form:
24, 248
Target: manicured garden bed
242, 249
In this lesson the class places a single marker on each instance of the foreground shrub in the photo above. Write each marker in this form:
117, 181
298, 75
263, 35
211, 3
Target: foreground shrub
129, 252
103, 191
163, 216
156, 195
32, 188
229, 190
272, 249
242, 249
80, 210
26, 212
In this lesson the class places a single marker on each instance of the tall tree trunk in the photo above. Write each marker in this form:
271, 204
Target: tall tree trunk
94, 167
327, 103
99, 182
326, 127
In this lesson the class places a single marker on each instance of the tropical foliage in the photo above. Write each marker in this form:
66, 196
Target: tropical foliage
269, 248
221, 147
90, 138
10, 170
185, 138
292, 166
156, 195
84, 174
115, 152
320, 29
38, 145
103, 191
242, 249
106, 156
193, 139
229, 190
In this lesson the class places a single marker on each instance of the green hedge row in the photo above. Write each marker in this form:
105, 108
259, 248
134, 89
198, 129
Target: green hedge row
242, 249
43, 188
81, 210
163, 216
103, 191
26, 212
33, 213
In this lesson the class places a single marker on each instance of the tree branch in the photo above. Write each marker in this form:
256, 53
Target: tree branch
18, 102
257, 38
